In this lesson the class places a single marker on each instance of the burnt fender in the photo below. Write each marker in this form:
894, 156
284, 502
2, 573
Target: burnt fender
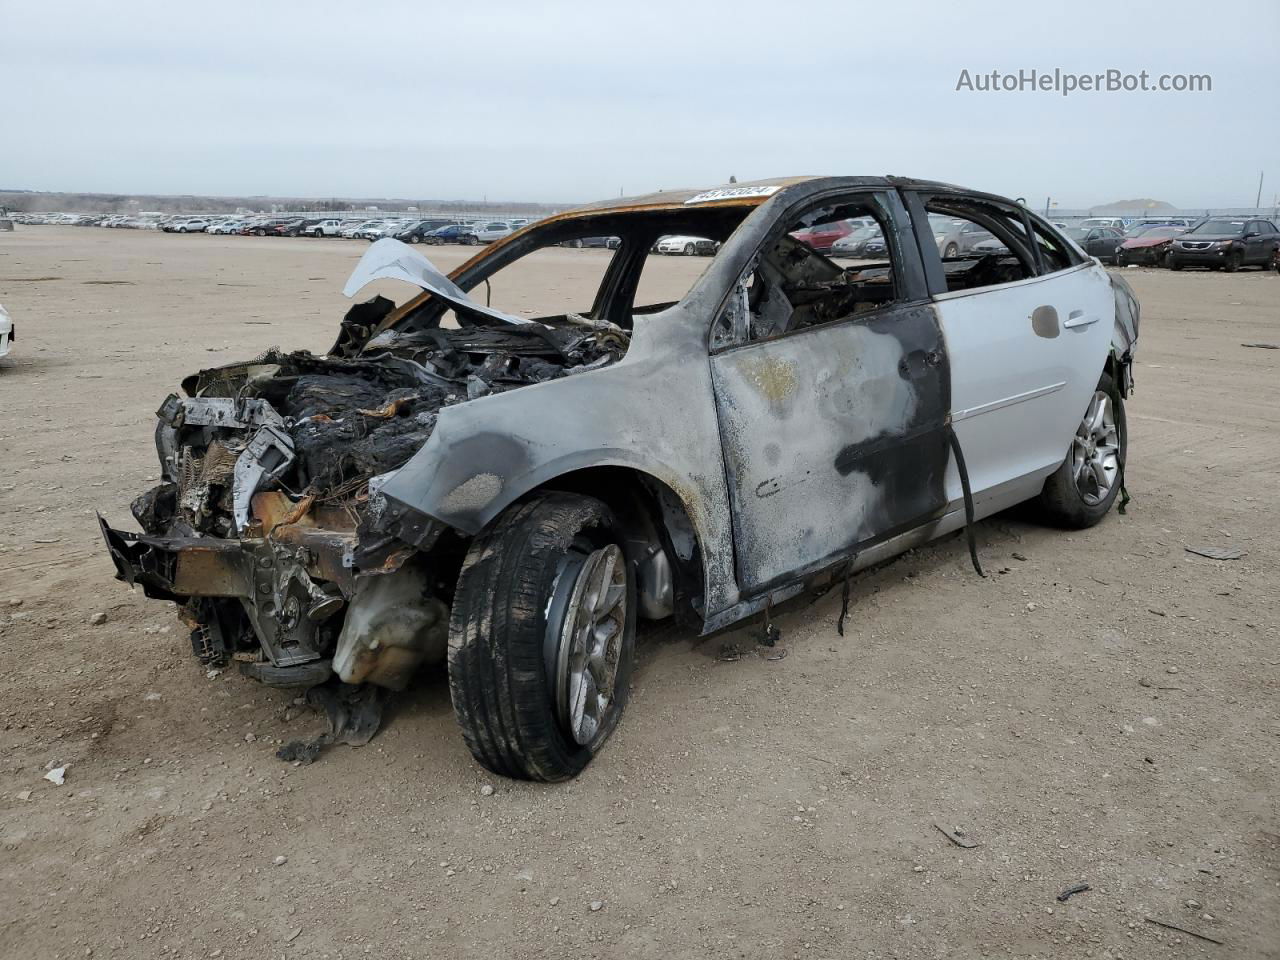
653, 412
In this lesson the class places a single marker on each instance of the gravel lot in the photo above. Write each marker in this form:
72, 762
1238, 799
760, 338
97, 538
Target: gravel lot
1102, 709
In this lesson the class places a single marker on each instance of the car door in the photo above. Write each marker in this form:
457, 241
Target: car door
1109, 241
1025, 355
1257, 242
833, 434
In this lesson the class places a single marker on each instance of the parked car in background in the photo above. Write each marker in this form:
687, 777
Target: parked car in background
6, 332
686, 245
608, 243
487, 231
226, 227
823, 237
323, 228
452, 233
186, 225
1116, 223
1226, 243
351, 230
260, 227
288, 228
854, 244
415, 231
1142, 224
955, 238
1100, 242
1148, 247
990, 248
378, 230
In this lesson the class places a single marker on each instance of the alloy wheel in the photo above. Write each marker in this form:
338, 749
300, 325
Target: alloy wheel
1095, 451
590, 643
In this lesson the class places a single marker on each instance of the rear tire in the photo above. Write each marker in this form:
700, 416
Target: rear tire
1073, 496
528, 640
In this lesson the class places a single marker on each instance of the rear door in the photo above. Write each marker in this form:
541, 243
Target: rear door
831, 390
1027, 337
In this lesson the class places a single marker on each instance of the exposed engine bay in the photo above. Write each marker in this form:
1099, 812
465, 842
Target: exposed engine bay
267, 527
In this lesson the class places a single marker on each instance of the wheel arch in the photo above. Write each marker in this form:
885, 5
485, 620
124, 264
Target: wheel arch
651, 512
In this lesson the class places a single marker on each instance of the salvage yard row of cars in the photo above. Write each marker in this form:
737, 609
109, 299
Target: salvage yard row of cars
1217, 243
508, 494
430, 231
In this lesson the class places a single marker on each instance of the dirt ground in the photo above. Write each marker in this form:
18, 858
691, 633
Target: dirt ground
1103, 709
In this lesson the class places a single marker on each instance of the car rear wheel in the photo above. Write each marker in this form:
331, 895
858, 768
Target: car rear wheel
541, 637
1081, 491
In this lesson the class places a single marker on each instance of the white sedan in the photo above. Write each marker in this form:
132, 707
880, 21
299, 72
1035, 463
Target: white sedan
686, 245
6, 332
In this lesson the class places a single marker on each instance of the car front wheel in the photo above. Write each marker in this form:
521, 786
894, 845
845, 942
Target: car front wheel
1235, 260
1081, 491
541, 637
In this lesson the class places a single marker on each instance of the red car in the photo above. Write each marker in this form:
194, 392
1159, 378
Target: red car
1149, 248
821, 237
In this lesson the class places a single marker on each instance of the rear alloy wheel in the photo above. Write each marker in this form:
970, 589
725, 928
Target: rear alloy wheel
1081, 491
542, 636
1235, 260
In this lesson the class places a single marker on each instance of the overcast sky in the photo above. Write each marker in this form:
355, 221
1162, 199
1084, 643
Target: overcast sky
567, 101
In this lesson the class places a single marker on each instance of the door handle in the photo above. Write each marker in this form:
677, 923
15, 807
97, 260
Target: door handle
1077, 318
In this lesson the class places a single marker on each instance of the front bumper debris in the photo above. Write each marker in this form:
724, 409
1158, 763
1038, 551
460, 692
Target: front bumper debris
271, 599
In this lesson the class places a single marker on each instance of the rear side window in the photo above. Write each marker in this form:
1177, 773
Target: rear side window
981, 244
984, 242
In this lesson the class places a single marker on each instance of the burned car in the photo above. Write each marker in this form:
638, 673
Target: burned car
511, 493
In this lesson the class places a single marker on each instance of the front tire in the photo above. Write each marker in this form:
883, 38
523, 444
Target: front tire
951, 252
542, 636
1081, 491
1235, 260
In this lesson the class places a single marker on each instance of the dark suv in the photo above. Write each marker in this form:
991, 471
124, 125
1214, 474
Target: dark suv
1226, 243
